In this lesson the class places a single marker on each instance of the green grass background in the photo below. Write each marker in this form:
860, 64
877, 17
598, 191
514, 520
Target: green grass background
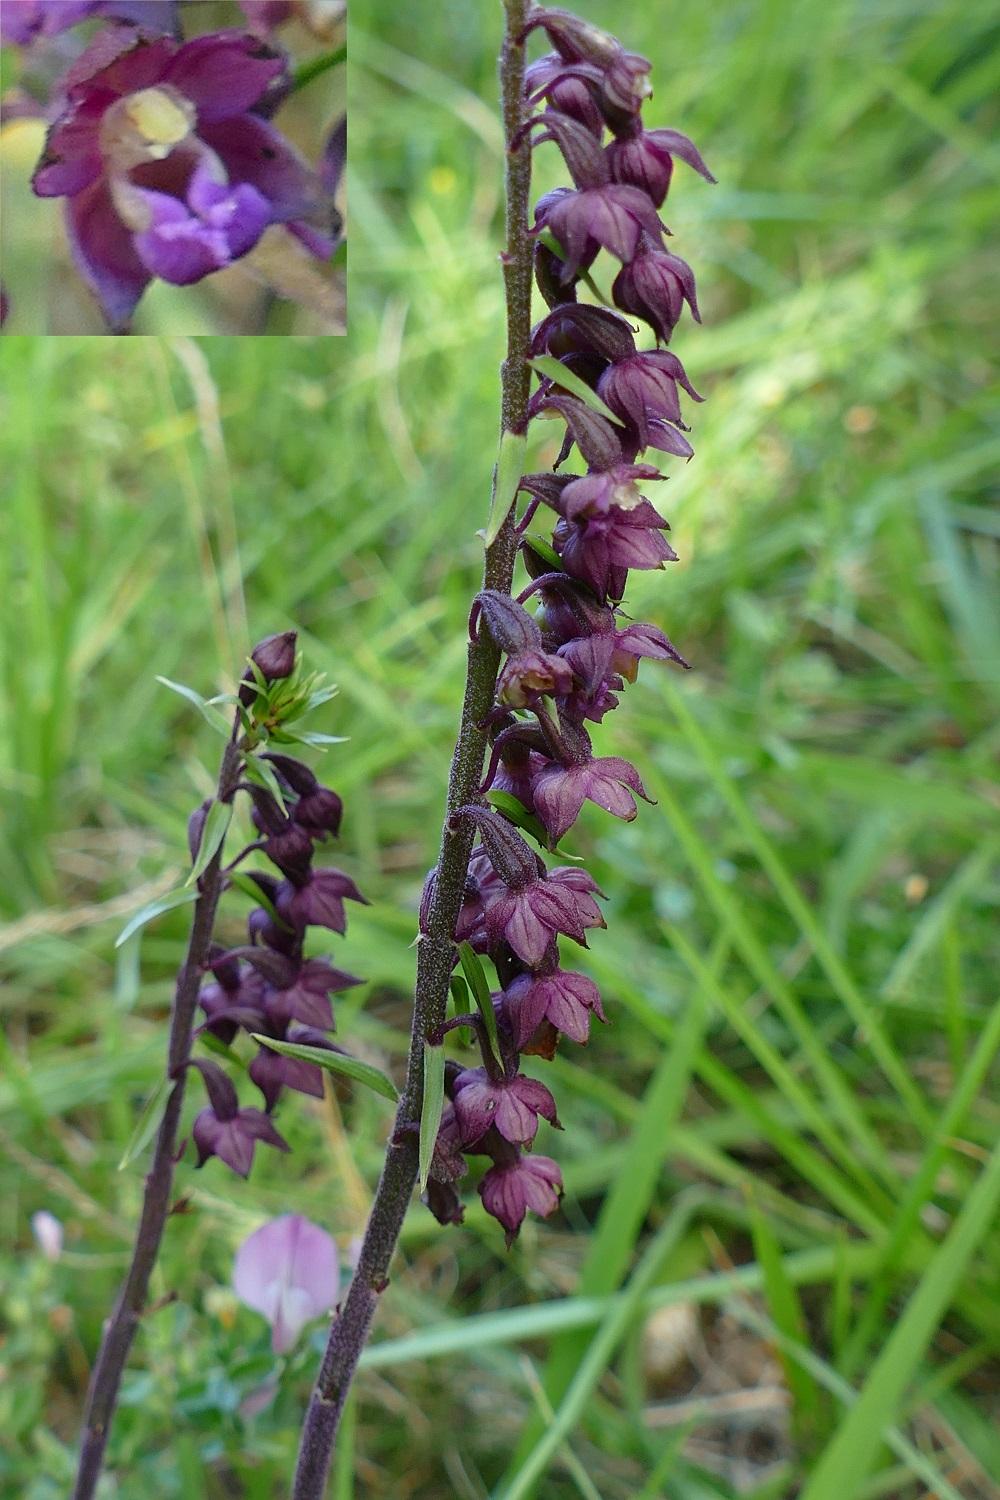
789, 1125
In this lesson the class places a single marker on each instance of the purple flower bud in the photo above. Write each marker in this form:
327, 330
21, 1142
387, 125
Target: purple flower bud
275, 658
443, 1202
574, 38
625, 84
565, 1000
528, 676
578, 328
645, 159
287, 1271
509, 854
511, 1187
527, 918
512, 1105
642, 389
655, 286
196, 827
642, 640
568, 88
508, 622
593, 434
318, 900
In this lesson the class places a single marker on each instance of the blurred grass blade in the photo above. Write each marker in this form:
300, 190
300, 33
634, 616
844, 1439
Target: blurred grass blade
153, 909
507, 479
786, 1311
846, 1460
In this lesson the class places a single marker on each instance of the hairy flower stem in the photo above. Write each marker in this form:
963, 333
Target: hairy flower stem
120, 1329
435, 954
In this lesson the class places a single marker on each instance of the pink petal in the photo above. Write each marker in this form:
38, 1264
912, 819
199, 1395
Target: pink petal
287, 1270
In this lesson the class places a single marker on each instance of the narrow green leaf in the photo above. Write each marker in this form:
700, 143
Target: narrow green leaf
547, 364
431, 1107
515, 812
149, 1118
460, 994
786, 1311
261, 773
307, 737
242, 881
507, 477
154, 909
478, 983
334, 1062
217, 721
545, 550
217, 823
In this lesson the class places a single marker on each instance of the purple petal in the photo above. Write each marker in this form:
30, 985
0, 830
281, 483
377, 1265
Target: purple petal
224, 73
104, 253
253, 151
71, 159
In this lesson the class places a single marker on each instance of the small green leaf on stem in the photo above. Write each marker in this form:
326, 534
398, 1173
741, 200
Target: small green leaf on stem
547, 364
431, 1107
315, 67
261, 773
334, 1062
509, 472
246, 883
149, 1119
212, 835
476, 975
154, 909
211, 716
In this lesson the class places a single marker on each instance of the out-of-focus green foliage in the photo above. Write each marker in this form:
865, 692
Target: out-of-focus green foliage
788, 1112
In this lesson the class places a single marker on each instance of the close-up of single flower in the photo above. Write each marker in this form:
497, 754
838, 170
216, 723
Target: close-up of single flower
171, 157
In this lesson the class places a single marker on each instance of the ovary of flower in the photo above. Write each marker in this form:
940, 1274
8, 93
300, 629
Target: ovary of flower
145, 126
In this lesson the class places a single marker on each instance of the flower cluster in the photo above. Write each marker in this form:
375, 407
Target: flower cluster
164, 150
568, 658
267, 987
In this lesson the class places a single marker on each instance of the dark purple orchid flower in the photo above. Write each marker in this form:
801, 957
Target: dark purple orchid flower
318, 900
565, 1000
306, 999
611, 217
271, 1072
560, 791
645, 159
165, 171
287, 1271
637, 641
655, 285
571, 89
600, 551
642, 389
512, 1105
527, 919
21, 21
224, 1130
514, 1185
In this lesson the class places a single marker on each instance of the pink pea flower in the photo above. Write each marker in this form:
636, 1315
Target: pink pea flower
287, 1271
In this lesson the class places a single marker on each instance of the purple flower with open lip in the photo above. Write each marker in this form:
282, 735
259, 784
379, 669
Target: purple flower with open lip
271, 1072
224, 1130
566, 1000
559, 791
528, 917
165, 170
287, 1270
317, 899
511, 1104
516, 1183
306, 999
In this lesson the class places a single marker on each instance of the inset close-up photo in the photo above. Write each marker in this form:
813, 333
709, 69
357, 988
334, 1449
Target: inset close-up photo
173, 166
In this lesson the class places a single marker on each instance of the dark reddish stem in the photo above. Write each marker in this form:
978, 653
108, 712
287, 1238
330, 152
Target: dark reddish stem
120, 1329
435, 953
